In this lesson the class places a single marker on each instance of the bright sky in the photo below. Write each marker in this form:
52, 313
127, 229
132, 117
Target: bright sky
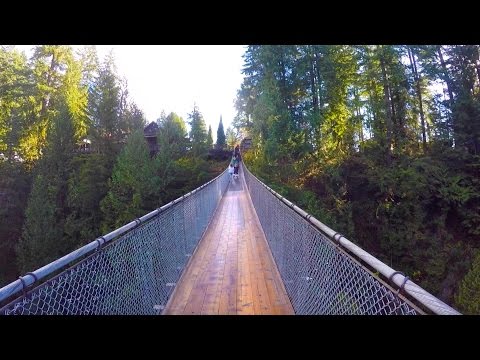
174, 77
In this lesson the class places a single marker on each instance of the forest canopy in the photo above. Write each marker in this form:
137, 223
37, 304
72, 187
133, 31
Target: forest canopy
74, 162
379, 142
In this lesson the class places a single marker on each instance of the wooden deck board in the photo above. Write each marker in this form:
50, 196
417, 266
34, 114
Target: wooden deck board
232, 271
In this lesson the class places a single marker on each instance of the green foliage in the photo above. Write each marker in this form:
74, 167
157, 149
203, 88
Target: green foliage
57, 196
173, 142
198, 133
468, 297
15, 185
38, 245
15, 89
132, 119
172, 136
56, 76
131, 186
356, 136
191, 173
76, 98
336, 129
231, 138
105, 109
140, 183
87, 186
42, 237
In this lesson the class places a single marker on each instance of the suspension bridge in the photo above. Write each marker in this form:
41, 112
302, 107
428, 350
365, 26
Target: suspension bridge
231, 246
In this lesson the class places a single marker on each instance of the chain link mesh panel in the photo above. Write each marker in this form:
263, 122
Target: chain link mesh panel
319, 277
135, 273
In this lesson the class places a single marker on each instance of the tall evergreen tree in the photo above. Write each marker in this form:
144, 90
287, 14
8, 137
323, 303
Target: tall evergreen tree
173, 142
15, 183
209, 137
131, 186
468, 297
105, 110
220, 135
57, 76
88, 58
172, 135
16, 86
42, 238
133, 119
198, 132
232, 138
87, 186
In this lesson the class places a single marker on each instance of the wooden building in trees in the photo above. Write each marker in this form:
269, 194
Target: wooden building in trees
85, 146
246, 144
150, 133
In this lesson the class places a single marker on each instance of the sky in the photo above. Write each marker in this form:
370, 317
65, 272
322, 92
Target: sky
174, 77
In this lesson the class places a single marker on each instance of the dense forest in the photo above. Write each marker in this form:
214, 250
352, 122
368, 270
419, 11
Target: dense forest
74, 163
381, 143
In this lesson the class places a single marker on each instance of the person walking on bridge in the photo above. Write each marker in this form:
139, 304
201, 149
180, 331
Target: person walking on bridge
235, 163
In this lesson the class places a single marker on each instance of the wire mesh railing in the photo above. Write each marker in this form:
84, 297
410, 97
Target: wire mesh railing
325, 273
132, 270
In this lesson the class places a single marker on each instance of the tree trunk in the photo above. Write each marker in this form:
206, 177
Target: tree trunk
319, 81
373, 119
477, 64
46, 99
413, 64
448, 81
357, 113
312, 84
387, 101
283, 80
361, 124
395, 126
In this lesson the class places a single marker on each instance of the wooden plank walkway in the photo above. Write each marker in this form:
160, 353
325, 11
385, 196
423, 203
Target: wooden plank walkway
232, 270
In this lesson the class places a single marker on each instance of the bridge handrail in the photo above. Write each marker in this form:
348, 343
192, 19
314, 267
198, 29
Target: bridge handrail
415, 291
